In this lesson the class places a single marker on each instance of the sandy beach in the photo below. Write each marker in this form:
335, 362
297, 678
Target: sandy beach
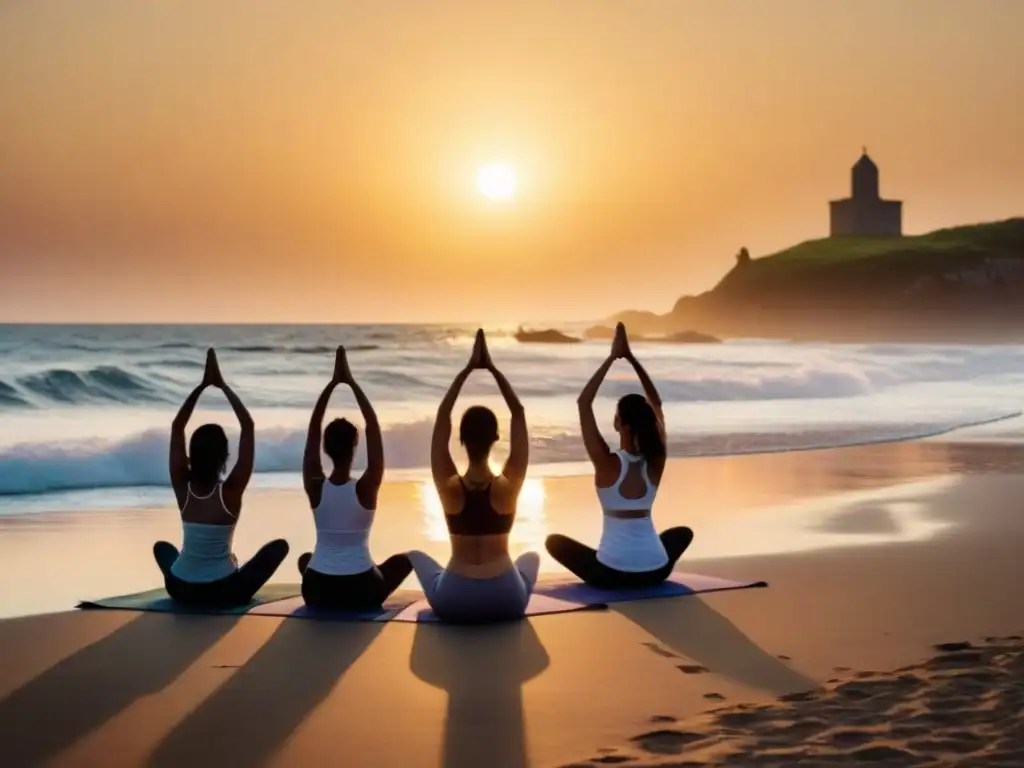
895, 549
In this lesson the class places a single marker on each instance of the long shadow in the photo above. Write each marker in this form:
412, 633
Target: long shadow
482, 669
250, 717
692, 627
81, 693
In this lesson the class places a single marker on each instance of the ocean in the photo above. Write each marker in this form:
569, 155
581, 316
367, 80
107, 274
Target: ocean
85, 410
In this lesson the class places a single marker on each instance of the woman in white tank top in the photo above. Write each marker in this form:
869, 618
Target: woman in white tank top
206, 573
631, 553
340, 574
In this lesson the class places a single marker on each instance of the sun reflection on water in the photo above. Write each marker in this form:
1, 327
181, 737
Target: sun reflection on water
528, 532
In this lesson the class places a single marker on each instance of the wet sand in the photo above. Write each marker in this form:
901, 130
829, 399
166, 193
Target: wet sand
117, 688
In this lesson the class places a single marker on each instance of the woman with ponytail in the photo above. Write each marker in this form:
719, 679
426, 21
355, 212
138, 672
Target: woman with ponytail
206, 573
631, 553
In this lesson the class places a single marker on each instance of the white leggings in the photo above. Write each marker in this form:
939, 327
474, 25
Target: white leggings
457, 598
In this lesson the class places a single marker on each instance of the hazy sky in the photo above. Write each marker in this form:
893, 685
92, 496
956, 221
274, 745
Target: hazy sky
207, 160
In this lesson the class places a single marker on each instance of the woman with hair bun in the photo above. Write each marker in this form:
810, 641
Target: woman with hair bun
206, 573
340, 574
631, 553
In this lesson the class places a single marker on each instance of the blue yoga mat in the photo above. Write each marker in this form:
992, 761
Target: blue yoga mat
677, 585
158, 600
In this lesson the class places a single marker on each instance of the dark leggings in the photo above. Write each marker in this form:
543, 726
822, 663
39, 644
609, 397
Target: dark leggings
231, 591
582, 561
356, 591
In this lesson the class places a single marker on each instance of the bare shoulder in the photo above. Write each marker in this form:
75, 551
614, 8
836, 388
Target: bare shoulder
451, 495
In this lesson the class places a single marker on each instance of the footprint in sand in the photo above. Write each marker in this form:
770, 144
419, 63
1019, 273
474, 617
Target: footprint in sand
693, 669
662, 719
660, 651
667, 742
948, 647
799, 696
714, 696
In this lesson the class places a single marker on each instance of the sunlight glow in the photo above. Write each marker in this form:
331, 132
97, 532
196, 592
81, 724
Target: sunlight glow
497, 181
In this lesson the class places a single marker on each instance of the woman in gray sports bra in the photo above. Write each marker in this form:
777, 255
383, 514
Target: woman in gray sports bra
481, 583
206, 573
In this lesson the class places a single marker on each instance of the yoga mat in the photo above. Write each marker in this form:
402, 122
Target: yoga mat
158, 600
296, 608
572, 589
420, 613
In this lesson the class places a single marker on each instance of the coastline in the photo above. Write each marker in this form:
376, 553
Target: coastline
163, 690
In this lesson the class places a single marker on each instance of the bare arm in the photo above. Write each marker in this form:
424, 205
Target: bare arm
312, 469
242, 471
441, 464
369, 484
178, 455
650, 392
593, 440
519, 438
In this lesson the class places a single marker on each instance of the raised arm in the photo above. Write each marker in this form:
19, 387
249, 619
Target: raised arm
240, 474
650, 391
312, 468
178, 455
369, 484
519, 438
441, 465
593, 440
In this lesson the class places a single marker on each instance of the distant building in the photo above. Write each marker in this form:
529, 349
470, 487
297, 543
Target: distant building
865, 213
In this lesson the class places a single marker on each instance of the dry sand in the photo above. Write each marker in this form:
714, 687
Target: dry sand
113, 688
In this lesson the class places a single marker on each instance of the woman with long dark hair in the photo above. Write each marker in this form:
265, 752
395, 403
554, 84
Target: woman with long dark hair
481, 581
340, 574
631, 553
206, 572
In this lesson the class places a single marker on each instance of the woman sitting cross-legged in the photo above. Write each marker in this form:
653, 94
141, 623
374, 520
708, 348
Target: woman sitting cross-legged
340, 574
481, 583
631, 553
206, 573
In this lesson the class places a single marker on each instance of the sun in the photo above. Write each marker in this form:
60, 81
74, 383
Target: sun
496, 181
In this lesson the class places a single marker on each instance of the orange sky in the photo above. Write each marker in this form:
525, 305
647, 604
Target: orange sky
261, 161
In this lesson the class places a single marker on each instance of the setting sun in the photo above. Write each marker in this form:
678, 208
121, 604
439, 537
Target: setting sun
497, 181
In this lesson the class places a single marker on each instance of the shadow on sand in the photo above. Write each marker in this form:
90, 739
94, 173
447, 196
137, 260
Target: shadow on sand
696, 630
482, 669
84, 691
250, 717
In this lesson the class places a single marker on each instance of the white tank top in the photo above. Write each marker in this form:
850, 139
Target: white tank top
205, 549
342, 531
631, 545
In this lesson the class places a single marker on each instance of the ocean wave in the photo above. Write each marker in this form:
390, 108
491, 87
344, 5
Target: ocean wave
103, 383
141, 460
298, 350
10, 398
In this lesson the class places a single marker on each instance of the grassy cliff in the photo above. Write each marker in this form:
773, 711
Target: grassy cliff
959, 283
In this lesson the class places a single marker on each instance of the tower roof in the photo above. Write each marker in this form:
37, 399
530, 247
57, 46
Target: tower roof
865, 161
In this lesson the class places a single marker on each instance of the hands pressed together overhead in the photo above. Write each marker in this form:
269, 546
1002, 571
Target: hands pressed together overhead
211, 375
620, 344
480, 358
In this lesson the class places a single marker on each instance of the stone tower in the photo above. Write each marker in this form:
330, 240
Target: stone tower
865, 213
